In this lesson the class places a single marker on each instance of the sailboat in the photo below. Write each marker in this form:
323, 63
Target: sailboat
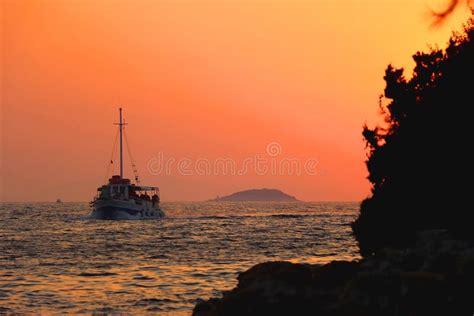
121, 199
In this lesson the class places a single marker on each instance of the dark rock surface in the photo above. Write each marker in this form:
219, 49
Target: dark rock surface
435, 277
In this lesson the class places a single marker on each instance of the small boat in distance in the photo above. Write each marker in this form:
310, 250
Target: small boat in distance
120, 199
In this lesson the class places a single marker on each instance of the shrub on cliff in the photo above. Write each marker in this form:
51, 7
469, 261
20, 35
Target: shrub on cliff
420, 161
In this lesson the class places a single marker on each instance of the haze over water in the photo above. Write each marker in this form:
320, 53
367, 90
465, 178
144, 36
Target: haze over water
54, 259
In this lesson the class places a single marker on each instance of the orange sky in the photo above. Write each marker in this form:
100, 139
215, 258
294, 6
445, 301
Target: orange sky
198, 79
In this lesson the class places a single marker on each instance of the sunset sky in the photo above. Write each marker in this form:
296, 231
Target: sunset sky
199, 80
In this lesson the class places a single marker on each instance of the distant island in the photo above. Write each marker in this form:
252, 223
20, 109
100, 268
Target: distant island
257, 195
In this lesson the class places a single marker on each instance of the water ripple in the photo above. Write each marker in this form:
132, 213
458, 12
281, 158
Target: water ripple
54, 259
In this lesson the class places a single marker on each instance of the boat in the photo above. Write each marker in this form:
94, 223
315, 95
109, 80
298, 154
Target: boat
121, 199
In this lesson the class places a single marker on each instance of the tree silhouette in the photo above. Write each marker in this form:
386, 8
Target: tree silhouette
420, 163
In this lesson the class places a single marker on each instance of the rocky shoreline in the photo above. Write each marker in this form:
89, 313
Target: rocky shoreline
434, 277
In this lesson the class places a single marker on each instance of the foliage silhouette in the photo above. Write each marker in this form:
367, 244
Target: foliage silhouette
420, 163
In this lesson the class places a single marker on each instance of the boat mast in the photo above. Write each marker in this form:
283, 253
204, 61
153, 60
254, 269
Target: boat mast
121, 148
121, 124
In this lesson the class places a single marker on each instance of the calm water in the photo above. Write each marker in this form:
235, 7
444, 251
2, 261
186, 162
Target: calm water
54, 259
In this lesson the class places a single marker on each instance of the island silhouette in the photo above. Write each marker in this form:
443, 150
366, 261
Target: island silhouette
257, 195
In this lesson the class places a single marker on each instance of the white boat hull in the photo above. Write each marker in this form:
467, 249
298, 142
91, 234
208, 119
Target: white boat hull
125, 210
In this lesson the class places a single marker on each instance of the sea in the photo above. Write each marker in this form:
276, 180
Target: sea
55, 260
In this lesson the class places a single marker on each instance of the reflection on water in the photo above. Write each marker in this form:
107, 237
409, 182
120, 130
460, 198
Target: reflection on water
54, 259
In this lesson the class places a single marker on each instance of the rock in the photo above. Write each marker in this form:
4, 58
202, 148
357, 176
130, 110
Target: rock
434, 277
284, 273
282, 288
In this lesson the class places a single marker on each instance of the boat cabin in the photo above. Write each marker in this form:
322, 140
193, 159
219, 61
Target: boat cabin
122, 189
